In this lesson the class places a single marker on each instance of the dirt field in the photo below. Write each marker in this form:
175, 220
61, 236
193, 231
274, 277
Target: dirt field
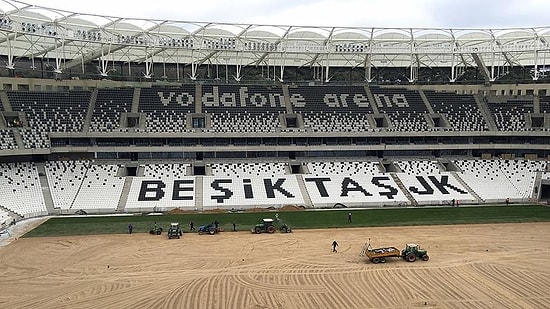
471, 266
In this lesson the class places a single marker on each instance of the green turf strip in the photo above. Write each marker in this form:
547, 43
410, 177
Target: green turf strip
88, 225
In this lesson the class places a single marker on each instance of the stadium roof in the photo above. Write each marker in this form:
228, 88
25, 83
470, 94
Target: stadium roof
73, 39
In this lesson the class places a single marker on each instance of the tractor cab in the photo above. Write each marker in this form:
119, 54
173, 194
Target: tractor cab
411, 248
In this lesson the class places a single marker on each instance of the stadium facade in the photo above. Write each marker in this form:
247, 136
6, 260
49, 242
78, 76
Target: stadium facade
160, 114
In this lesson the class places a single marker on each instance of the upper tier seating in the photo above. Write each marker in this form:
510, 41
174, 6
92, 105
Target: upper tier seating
461, 110
110, 103
49, 112
7, 139
236, 108
332, 108
496, 180
405, 108
510, 115
167, 108
20, 189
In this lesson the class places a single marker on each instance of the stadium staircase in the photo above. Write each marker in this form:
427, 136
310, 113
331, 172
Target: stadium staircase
48, 200
18, 138
5, 101
403, 189
198, 98
371, 100
302, 186
124, 194
135, 100
426, 102
536, 104
465, 185
286, 95
12, 214
198, 193
535, 195
484, 109
90, 112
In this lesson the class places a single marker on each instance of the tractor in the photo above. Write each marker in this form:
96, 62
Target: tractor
174, 231
266, 226
155, 230
209, 229
412, 252
284, 228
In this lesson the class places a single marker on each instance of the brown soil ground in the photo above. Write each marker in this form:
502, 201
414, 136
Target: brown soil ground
471, 266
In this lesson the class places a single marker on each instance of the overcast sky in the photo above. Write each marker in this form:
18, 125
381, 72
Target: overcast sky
364, 13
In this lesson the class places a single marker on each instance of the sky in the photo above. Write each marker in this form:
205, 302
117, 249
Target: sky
339, 13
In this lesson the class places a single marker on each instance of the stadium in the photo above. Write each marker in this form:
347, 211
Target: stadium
107, 115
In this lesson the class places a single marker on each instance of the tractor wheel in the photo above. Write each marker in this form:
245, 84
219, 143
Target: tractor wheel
425, 257
411, 257
159, 232
376, 260
212, 231
257, 230
271, 229
200, 232
382, 260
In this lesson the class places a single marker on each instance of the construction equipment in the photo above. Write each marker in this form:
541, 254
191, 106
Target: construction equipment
412, 252
174, 231
155, 230
210, 229
284, 228
266, 226
379, 255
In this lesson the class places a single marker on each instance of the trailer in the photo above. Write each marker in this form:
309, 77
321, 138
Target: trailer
411, 253
379, 255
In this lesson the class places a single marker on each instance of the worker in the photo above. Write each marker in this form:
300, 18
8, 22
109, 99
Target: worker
334, 245
130, 228
349, 217
234, 226
191, 226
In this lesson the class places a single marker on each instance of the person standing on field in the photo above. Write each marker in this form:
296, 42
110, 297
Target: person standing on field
334, 246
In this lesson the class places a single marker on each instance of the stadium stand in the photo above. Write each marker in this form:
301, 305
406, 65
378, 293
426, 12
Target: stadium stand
236, 109
405, 108
166, 109
49, 112
65, 179
20, 189
331, 108
496, 180
510, 115
109, 105
100, 178
461, 110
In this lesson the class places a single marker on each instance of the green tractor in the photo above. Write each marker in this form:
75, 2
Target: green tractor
266, 226
155, 230
412, 252
174, 231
